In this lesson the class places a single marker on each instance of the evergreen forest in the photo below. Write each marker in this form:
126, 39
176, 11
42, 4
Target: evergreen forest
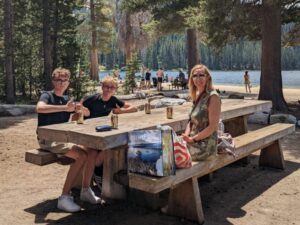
170, 53
88, 36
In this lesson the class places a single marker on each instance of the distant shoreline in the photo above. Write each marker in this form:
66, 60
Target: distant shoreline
290, 79
254, 86
290, 94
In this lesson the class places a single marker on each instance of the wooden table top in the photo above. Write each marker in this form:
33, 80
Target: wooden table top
86, 135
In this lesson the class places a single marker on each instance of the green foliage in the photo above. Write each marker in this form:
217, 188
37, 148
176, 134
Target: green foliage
81, 86
166, 15
28, 43
170, 52
103, 24
131, 68
227, 21
115, 57
2, 87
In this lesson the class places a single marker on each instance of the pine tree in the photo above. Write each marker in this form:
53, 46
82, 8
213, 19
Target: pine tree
132, 67
228, 20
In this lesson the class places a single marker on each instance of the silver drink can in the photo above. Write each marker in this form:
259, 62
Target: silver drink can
114, 121
80, 117
147, 108
169, 111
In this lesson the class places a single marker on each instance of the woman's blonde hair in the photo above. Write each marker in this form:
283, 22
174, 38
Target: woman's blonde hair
110, 80
192, 86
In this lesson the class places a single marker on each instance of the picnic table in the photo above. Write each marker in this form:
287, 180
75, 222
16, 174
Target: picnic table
234, 113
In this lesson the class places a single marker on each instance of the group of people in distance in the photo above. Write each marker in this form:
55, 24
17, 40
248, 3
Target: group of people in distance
147, 78
160, 77
53, 108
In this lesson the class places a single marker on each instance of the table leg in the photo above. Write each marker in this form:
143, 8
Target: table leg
272, 156
185, 201
236, 126
114, 160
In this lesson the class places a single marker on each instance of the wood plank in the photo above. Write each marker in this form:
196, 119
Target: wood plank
245, 145
40, 157
114, 161
238, 126
185, 201
272, 156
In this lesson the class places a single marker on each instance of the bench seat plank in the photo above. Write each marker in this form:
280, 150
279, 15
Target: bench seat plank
40, 157
185, 181
245, 145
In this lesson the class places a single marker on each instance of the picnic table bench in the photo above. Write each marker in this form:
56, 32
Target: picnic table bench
184, 197
114, 144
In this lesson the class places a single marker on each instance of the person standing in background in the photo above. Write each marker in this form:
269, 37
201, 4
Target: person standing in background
247, 82
147, 78
160, 76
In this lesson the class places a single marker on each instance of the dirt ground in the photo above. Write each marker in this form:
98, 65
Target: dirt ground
238, 194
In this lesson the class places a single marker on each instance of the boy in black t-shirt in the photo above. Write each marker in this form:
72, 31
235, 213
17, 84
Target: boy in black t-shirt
101, 105
55, 108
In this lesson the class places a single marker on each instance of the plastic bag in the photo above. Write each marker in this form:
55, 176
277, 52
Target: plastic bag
225, 141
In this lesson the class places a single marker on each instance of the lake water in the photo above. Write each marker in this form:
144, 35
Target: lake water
290, 79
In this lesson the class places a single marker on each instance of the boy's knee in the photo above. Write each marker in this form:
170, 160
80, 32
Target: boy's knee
83, 155
92, 152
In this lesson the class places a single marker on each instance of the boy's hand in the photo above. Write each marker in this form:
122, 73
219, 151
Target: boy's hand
70, 106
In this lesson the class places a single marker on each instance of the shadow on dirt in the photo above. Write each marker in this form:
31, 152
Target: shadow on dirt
224, 197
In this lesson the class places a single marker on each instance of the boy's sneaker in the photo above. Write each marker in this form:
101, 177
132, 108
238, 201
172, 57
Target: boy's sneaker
66, 203
87, 195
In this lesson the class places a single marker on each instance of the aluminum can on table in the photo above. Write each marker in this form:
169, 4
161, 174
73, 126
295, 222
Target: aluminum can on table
114, 121
147, 108
80, 119
169, 111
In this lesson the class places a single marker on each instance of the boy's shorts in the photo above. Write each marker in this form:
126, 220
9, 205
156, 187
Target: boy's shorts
55, 147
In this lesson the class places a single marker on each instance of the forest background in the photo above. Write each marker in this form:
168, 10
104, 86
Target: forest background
84, 36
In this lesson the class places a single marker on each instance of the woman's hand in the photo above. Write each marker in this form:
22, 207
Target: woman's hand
186, 138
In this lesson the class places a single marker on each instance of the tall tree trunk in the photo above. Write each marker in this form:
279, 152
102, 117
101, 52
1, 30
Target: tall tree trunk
192, 49
128, 39
47, 46
94, 51
55, 31
10, 90
24, 80
30, 79
271, 80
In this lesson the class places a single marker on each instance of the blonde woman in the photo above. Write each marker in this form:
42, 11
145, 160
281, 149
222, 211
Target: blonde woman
201, 131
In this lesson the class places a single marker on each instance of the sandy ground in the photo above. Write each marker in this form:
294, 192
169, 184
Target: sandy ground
240, 195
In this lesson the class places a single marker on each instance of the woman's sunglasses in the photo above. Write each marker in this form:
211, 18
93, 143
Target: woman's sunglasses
199, 75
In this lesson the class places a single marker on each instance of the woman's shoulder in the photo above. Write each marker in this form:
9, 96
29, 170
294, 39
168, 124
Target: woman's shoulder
213, 92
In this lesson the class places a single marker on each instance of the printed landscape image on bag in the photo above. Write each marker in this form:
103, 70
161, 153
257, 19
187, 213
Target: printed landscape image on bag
151, 152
